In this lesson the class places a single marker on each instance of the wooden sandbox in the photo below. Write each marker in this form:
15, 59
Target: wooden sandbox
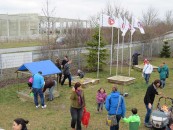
85, 82
24, 95
122, 80
140, 67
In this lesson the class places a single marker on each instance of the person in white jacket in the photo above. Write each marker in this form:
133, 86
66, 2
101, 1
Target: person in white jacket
147, 70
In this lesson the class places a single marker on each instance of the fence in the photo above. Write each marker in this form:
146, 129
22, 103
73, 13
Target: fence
78, 56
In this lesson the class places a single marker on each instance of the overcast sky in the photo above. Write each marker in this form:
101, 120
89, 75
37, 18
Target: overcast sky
82, 9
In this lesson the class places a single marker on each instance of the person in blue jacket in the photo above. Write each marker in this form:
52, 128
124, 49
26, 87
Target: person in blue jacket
113, 108
164, 73
37, 86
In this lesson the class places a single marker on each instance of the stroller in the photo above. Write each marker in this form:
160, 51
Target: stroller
160, 117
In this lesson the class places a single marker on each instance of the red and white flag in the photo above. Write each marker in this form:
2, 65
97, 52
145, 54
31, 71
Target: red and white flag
137, 24
126, 26
132, 29
107, 21
121, 23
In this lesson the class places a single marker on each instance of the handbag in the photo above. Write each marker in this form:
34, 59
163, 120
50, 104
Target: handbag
112, 119
85, 117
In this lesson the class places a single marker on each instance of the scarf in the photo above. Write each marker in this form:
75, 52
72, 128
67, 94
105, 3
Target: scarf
80, 100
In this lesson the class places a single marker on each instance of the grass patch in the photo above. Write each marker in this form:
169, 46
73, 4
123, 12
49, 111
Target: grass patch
57, 115
19, 44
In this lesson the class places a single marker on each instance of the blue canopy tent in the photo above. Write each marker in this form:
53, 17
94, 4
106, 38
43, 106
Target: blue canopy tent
47, 67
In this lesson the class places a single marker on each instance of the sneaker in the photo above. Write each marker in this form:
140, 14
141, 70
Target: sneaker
148, 125
37, 106
43, 106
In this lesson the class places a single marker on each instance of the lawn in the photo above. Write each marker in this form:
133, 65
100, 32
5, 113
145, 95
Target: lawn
19, 44
57, 116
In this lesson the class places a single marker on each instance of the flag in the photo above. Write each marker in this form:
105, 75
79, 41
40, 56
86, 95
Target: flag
137, 24
126, 26
121, 23
107, 21
132, 29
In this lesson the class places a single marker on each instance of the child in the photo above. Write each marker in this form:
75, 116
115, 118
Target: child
30, 81
80, 73
101, 97
133, 120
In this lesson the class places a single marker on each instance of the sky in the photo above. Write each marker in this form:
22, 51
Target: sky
82, 9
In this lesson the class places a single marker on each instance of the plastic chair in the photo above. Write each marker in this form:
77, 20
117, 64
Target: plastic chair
134, 126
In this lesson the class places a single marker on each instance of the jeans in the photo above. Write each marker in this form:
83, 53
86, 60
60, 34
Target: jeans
148, 114
69, 79
76, 114
116, 127
51, 91
38, 91
146, 77
99, 106
163, 82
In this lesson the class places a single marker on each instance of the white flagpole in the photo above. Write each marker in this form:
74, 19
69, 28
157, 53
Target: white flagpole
111, 51
117, 53
130, 62
98, 67
122, 55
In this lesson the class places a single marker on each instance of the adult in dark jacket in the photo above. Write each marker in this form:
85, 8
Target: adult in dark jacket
115, 105
64, 61
50, 84
149, 99
163, 72
67, 73
135, 58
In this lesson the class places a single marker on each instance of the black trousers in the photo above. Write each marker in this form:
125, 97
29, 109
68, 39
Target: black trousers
76, 114
69, 79
59, 76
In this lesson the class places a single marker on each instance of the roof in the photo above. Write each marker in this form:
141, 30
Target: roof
47, 67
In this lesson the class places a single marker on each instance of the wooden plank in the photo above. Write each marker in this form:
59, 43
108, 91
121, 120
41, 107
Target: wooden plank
24, 95
140, 68
122, 80
85, 82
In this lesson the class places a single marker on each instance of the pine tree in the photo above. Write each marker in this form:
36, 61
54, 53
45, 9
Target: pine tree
165, 50
92, 57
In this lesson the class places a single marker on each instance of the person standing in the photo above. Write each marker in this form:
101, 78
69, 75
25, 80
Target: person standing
38, 84
135, 58
100, 99
164, 73
67, 73
147, 70
51, 84
134, 118
77, 103
115, 105
60, 68
149, 99
64, 61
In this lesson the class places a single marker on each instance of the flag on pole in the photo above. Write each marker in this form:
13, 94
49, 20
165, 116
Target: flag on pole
126, 26
138, 24
121, 23
108, 21
132, 29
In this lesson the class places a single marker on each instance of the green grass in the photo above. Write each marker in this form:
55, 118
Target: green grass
19, 44
57, 116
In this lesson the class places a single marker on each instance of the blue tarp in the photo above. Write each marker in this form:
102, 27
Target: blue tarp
47, 67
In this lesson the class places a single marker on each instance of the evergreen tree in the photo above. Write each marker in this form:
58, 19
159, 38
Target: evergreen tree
165, 50
92, 57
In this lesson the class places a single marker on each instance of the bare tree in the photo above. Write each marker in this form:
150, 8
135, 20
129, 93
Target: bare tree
48, 13
150, 17
169, 17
